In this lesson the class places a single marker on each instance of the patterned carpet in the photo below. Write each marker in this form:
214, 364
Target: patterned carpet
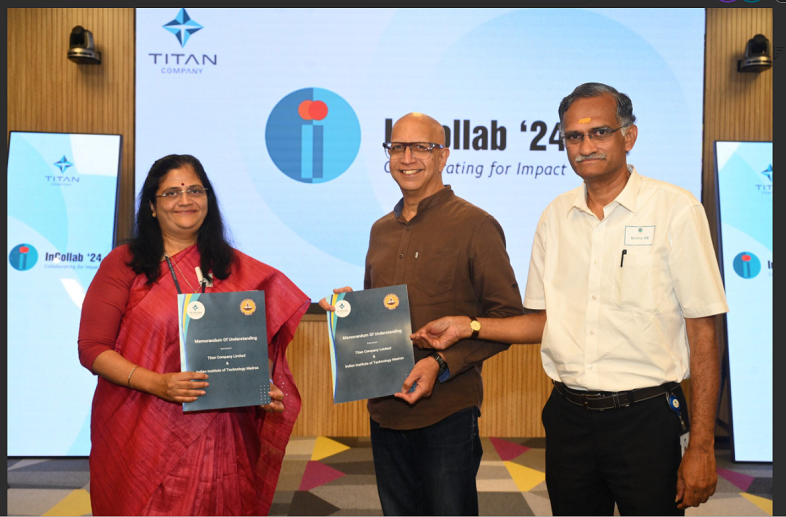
335, 476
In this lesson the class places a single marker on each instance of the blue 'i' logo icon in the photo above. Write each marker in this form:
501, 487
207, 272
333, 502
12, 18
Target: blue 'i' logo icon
23, 257
746, 264
312, 141
313, 135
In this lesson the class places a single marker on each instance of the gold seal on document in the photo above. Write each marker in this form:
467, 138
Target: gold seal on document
248, 307
391, 301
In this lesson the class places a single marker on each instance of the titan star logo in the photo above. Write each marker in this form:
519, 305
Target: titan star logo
63, 164
768, 172
182, 27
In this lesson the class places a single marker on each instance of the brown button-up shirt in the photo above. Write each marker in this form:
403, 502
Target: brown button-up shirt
452, 258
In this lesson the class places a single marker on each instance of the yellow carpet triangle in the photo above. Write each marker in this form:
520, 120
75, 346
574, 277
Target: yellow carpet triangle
75, 503
761, 502
525, 478
325, 447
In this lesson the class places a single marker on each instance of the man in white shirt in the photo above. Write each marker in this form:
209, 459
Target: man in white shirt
625, 285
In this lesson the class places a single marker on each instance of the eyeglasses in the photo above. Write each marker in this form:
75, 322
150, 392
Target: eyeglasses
191, 193
598, 134
418, 149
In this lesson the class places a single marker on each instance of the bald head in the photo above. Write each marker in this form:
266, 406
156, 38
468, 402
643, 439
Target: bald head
418, 124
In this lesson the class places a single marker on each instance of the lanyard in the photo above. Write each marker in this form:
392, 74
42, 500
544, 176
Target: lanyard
174, 277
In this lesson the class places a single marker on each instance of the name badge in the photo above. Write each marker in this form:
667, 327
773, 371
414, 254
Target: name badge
639, 235
684, 441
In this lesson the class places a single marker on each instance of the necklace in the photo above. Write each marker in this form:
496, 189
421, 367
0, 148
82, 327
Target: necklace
182, 274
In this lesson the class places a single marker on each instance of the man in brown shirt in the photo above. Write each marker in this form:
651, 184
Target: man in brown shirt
452, 257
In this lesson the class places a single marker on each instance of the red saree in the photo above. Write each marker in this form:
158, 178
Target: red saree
147, 457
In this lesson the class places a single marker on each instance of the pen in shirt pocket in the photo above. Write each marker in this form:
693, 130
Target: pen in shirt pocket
622, 257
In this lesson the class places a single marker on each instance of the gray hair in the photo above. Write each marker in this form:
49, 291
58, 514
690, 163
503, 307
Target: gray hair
625, 116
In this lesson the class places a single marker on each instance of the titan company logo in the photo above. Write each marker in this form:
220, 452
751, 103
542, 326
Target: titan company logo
62, 179
182, 28
63, 164
23, 257
746, 264
313, 135
766, 188
768, 172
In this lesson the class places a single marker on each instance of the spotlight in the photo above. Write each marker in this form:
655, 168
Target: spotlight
757, 55
81, 48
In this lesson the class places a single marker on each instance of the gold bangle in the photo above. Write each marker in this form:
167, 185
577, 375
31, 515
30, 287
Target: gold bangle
130, 374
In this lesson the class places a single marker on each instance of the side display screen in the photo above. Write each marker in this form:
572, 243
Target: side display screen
62, 194
744, 179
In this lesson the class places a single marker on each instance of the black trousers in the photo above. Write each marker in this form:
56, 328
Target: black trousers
429, 471
629, 456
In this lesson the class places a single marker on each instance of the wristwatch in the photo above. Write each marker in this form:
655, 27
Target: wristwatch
474, 324
441, 362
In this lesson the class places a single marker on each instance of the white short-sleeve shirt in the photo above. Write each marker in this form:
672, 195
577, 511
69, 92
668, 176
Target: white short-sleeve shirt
616, 291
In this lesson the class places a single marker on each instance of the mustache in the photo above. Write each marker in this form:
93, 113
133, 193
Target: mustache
593, 156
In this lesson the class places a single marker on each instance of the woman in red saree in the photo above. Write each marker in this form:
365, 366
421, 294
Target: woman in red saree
148, 457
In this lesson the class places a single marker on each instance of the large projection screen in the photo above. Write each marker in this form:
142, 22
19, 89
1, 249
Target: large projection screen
744, 180
287, 110
62, 193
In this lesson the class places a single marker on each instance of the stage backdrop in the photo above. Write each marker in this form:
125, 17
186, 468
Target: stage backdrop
287, 110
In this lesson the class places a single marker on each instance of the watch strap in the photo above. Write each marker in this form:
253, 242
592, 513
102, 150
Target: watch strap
475, 332
441, 362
